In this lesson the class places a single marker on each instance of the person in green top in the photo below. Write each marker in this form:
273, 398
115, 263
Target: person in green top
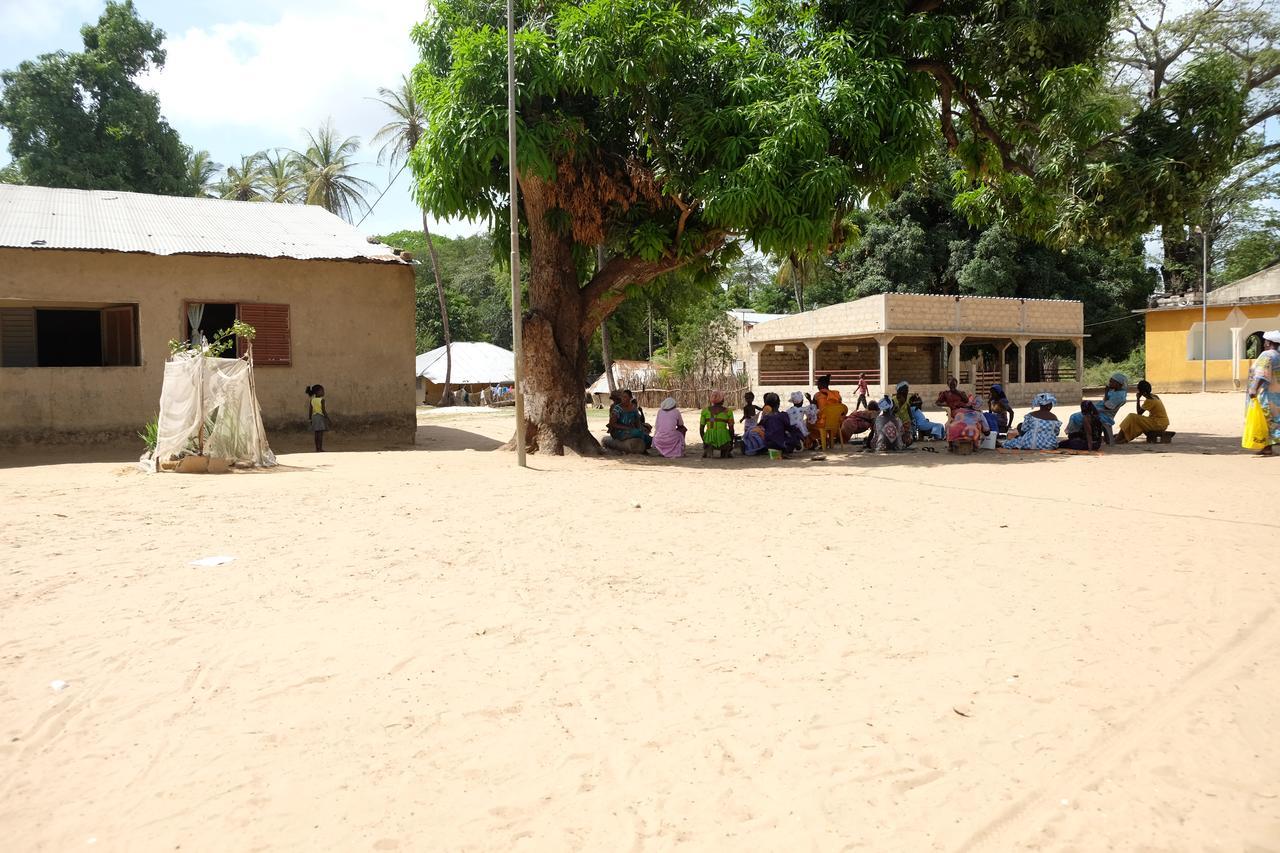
715, 427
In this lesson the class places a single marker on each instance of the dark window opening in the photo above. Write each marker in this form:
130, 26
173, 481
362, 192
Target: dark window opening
69, 337
216, 317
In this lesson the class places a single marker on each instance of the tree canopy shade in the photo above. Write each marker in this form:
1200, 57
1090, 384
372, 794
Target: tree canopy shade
80, 120
666, 130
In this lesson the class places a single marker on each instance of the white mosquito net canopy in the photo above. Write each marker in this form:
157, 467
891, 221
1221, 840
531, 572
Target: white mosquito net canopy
211, 399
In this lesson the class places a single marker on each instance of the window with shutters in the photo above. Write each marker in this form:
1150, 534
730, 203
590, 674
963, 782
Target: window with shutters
272, 343
53, 335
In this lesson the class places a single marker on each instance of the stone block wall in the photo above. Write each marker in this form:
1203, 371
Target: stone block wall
1052, 316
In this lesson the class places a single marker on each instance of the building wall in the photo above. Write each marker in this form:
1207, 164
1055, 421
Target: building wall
352, 330
1173, 344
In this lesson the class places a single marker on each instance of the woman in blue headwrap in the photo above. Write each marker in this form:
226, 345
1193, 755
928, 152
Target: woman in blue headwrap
1039, 429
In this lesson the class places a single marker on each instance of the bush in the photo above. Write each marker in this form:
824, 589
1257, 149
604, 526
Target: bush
150, 431
1134, 366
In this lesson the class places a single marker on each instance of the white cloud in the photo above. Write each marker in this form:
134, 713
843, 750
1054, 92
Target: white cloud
289, 73
28, 19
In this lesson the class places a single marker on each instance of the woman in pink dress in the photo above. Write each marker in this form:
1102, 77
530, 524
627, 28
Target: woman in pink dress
669, 430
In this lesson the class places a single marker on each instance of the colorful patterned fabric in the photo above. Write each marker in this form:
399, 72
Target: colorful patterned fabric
1261, 376
1036, 434
887, 433
967, 425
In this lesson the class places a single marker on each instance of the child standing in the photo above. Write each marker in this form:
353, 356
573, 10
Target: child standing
862, 391
750, 412
317, 414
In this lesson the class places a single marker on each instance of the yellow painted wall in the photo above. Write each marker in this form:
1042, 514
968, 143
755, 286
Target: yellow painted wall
352, 330
1168, 367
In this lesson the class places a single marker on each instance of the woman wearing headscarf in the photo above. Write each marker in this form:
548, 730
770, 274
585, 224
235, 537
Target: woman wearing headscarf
923, 426
887, 433
669, 430
1113, 398
715, 427
1000, 406
1262, 388
1151, 415
626, 421
952, 397
1084, 429
967, 425
798, 414
1039, 429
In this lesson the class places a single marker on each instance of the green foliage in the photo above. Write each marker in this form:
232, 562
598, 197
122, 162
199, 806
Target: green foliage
245, 182
476, 289
918, 243
221, 343
1133, 365
80, 120
325, 176
201, 174
11, 173
1252, 252
149, 434
706, 342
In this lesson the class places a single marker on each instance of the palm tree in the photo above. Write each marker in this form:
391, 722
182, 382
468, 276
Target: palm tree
201, 171
245, 182
325, 172
796, 271
398, 138
280, 178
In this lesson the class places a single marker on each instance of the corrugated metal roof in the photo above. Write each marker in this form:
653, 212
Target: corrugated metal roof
746, 315
46, 218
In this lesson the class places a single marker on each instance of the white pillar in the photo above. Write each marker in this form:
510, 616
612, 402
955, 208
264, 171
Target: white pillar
884, 341
812, 346
753, 364
1237, 354
953, 367
1021, 343
1079, 342
1004, 367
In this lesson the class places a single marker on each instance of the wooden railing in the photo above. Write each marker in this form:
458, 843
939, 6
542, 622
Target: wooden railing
801, 377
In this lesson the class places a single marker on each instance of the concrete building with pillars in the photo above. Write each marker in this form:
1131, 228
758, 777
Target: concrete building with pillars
924, 339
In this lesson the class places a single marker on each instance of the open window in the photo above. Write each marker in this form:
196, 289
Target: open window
53, 335
272, 344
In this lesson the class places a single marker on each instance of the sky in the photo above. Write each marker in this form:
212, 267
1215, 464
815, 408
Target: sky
246, 75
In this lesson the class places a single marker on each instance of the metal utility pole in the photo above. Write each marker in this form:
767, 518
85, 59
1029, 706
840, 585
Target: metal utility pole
516, 308
1204, 311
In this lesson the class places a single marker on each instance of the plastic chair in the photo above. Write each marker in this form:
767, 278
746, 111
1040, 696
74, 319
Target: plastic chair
829, 420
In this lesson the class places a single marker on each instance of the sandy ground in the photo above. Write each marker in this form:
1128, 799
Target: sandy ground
428, 649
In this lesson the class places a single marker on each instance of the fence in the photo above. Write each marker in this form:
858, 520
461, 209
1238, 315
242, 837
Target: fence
801, 377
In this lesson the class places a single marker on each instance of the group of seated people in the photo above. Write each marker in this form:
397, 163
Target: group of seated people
890, 424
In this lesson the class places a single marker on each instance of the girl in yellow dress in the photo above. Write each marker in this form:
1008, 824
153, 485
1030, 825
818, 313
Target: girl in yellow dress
1151, 416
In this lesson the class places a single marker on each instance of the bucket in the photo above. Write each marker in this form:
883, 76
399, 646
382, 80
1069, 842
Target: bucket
993, 420
775, 454
989, 440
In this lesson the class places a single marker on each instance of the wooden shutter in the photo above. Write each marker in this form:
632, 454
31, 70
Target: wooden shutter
17, 337
119, 337
271, 322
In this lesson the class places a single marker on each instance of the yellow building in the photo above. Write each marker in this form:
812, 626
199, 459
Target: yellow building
1238, 314
93, 286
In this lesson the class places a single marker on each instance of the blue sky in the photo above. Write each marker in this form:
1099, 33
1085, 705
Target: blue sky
242, 76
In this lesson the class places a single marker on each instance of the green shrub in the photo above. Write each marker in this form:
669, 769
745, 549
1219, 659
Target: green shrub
1134, 366
149, 434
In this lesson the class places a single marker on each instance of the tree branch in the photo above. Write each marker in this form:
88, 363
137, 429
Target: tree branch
983, 127
605, 291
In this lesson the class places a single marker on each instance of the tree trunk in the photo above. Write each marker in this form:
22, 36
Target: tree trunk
562, 317
446, 398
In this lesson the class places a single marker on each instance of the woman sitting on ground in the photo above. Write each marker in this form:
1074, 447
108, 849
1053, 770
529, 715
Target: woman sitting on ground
923, 425
857, 422
715, 427
952, 398
1084, 429
967, 426
669, 430
1039, 429
779, 434
626, 423
1151, 416
999, 405
799, 415
887, 433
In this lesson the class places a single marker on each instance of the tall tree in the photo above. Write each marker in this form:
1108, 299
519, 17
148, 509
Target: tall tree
245, 182
666, 130
281, 182
325, 172
1205, 82
202, 173
81, 120
398, 138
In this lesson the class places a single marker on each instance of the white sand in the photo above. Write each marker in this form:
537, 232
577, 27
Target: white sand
429, 649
